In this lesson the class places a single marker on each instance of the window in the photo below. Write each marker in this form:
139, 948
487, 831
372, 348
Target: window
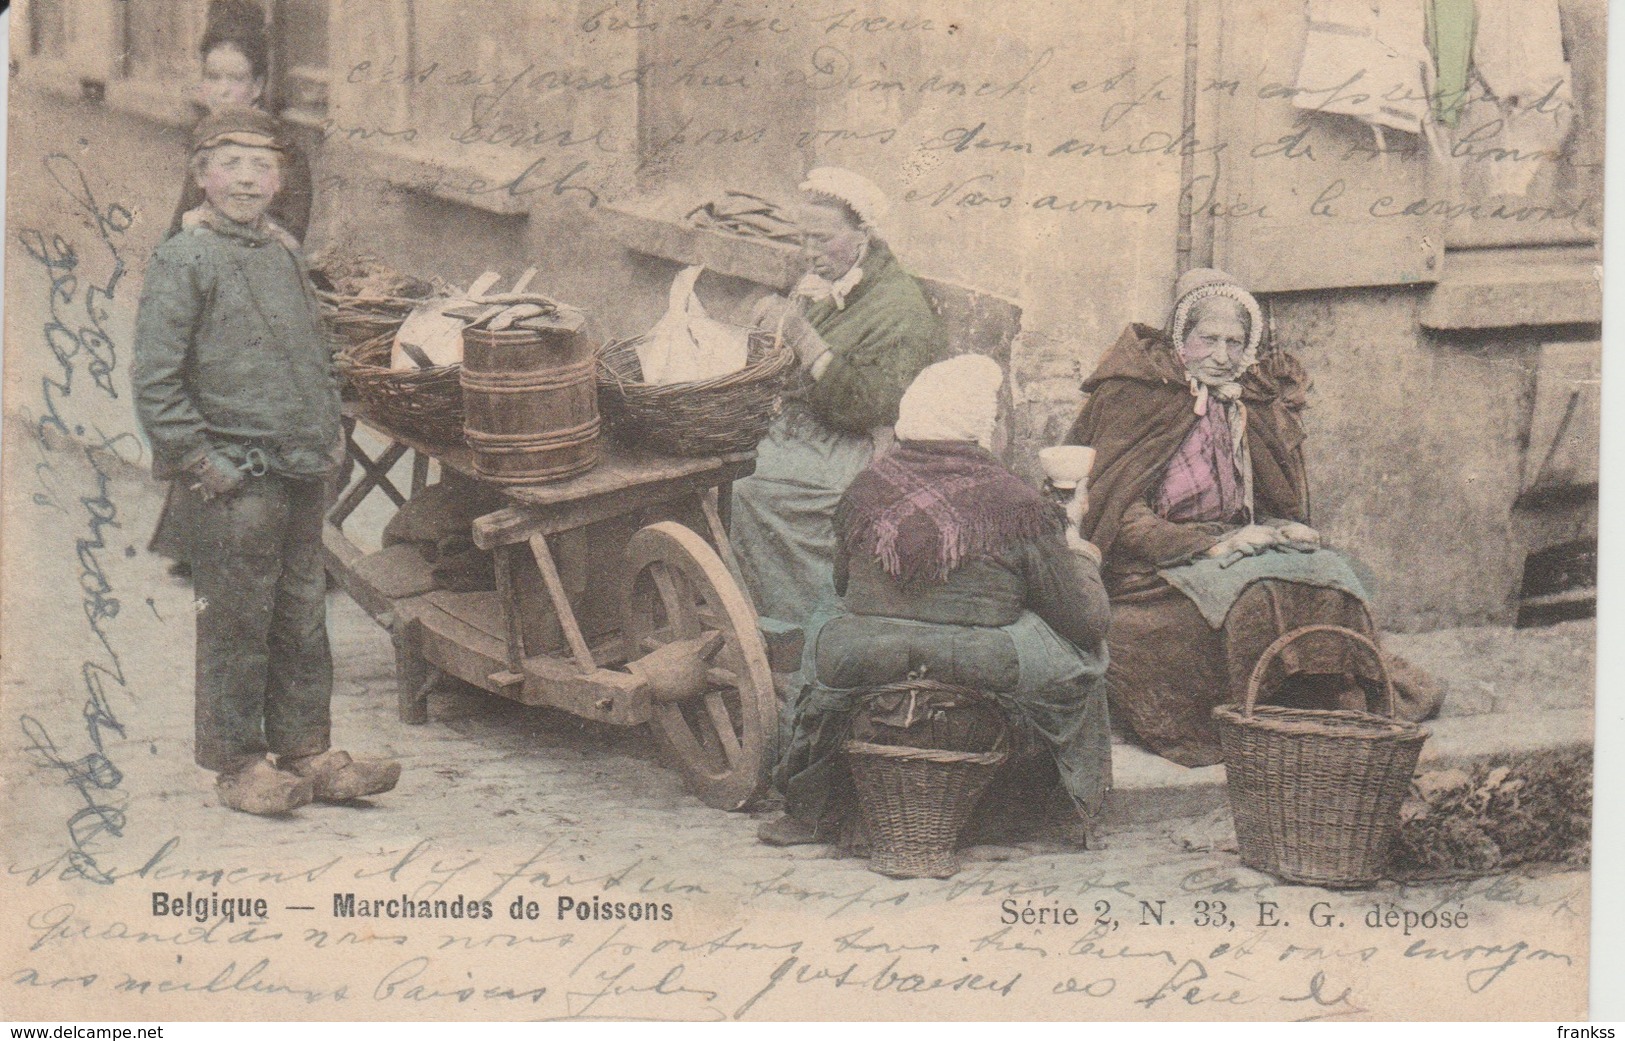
47, 29
299, 30
161, 40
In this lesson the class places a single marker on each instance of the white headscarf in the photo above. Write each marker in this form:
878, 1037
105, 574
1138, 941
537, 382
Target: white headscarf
953, 400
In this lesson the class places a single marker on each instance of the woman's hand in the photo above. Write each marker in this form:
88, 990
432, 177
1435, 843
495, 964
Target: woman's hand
769, 309
1292, 531
1082, 546
1074, 508
1248, 541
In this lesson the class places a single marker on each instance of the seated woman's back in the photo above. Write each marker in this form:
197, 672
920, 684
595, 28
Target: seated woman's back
1035, 574
954, 569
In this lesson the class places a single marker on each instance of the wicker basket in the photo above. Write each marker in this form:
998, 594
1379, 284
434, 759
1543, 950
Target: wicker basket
426, 402
1316, 794
705, 417
915, 802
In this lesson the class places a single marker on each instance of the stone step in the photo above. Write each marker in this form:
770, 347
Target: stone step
1147, 788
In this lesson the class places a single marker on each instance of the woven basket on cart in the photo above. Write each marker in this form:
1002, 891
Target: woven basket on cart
1315, 794
915, 802
703, 417
427, 402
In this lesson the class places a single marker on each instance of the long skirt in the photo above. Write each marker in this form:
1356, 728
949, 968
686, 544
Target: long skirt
783, 525
1169, 669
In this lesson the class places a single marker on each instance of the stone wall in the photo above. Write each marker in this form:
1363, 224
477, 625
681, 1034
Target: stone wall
1037, 171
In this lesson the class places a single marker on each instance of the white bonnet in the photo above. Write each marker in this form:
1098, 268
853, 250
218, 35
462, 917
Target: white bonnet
855, 190
1200, 284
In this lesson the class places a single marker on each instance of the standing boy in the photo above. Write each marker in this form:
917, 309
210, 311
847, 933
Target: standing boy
235, 390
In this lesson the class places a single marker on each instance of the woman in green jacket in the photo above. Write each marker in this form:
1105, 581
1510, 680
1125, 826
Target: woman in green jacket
862, 329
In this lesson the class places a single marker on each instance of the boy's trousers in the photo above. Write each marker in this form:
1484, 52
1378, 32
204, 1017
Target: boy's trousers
264, 668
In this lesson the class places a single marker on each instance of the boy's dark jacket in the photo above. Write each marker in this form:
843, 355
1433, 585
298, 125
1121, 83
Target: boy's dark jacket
231, 354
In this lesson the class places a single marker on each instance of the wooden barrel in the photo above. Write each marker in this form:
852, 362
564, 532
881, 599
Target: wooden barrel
530, 401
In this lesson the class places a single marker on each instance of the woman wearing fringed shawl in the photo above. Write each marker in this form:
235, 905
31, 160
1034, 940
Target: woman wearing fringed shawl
863, 330
1200, 505
950, 563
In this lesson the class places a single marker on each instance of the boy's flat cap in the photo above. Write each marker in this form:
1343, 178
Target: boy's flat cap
238, 126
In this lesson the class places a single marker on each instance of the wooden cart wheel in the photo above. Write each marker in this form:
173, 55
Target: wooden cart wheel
676, 588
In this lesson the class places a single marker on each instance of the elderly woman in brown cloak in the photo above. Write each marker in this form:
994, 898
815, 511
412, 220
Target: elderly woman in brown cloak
863, 330
1199, 505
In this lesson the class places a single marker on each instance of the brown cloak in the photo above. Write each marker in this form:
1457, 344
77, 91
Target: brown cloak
1168, 668
1140, 409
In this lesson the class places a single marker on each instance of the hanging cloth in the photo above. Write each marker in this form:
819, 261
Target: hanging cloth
1518, 53
1451, 26
1375, 51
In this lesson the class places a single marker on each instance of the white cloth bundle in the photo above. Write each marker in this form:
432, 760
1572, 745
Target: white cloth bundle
687, 344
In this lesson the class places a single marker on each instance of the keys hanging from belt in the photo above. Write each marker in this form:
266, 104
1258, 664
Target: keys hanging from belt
213, 481
255, 463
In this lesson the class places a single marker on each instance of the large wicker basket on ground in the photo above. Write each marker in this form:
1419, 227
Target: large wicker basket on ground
1316, 794
427, 402
704, 417
915, 802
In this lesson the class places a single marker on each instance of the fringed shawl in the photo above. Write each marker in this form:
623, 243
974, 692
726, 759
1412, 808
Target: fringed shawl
926, 507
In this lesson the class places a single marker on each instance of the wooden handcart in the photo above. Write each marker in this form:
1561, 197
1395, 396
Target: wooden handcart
609, 604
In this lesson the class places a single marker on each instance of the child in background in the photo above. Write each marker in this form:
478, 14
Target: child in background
235, 390
236, 53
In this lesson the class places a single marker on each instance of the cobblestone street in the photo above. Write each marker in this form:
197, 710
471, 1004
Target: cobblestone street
499, 800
